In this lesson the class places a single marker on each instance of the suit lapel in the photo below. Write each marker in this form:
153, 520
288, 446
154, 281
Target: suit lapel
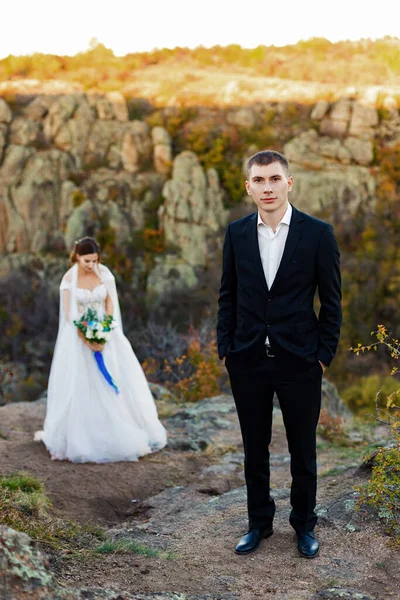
290, 246
255, 252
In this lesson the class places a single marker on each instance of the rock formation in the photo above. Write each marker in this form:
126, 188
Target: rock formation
331, 164
74, 163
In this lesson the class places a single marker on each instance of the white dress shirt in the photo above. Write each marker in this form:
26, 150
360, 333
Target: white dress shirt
272, 245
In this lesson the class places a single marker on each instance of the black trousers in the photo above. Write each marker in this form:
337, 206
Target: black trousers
299, 394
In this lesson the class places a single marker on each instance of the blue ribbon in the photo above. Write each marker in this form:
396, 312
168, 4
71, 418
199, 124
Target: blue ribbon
103, 370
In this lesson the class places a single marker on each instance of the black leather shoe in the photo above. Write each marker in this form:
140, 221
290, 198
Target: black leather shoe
251, 541
307, 545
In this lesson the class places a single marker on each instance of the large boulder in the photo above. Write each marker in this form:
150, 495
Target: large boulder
24, 570
336, 193
332, 402
59, 113
110, 106
193, 210
30, 203
162, 152
5, 112
170, 274
347, 117
24, 131
119, 106
364, 120
38, 108
14, 161
331, 175
73, 134
136, 146
120, 200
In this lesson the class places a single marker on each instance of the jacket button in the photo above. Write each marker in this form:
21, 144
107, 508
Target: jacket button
268, 325
269, 299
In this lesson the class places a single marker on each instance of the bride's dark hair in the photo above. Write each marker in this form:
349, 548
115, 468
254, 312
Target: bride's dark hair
85, 245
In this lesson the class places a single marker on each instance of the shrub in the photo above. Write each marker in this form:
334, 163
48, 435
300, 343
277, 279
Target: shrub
192, 370
29, 316
150, 241
382, 491
78, 198
331, 428
203, 382
22, 482
360, 397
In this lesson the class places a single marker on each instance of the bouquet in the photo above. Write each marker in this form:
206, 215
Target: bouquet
98, 330
95, 329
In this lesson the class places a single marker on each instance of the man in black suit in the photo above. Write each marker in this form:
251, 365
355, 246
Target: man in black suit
274, 261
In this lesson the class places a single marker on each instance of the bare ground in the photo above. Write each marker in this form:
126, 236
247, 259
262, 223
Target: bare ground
181, 503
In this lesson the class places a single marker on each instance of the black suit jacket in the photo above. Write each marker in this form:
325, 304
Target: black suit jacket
249, 311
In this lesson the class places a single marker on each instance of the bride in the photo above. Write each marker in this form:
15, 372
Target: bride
86, 420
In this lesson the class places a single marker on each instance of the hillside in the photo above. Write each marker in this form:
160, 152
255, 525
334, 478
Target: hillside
309, 70
95, 144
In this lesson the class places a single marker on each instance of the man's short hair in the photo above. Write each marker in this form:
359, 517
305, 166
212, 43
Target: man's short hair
266, 157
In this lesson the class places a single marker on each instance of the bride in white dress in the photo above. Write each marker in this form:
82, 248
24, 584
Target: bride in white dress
86, 420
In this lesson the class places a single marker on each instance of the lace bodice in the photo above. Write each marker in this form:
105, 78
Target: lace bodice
95, 299
80, 299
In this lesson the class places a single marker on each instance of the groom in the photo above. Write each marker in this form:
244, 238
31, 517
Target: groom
274, 261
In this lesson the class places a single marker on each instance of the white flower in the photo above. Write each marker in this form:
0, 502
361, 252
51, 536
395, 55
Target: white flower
89, 334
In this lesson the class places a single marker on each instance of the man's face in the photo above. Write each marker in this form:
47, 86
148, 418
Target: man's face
269, 186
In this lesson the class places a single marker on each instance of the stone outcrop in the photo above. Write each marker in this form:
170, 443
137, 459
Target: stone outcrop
74, 163
162, 153
331, 165
193, 208
170, 274
67, 161
5, 112
24, 571
30, 200
347, 117
70, 159
192, 219
111, 198
332, 402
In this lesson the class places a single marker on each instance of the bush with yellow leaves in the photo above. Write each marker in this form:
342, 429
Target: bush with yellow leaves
382, 491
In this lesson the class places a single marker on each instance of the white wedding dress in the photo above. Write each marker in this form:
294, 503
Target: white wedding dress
86, 420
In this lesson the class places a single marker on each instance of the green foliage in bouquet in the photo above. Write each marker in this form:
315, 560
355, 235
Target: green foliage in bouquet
94, 328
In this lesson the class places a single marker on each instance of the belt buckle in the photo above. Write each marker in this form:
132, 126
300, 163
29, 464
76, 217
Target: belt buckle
268, 351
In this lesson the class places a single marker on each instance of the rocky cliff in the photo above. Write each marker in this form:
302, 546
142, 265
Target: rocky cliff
72, 164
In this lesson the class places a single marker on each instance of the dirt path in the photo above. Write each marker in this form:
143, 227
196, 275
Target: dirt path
188, 505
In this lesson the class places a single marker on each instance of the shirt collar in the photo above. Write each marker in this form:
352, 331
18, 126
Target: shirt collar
285, 219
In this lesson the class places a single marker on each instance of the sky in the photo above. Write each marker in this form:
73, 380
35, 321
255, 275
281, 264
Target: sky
66, 27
